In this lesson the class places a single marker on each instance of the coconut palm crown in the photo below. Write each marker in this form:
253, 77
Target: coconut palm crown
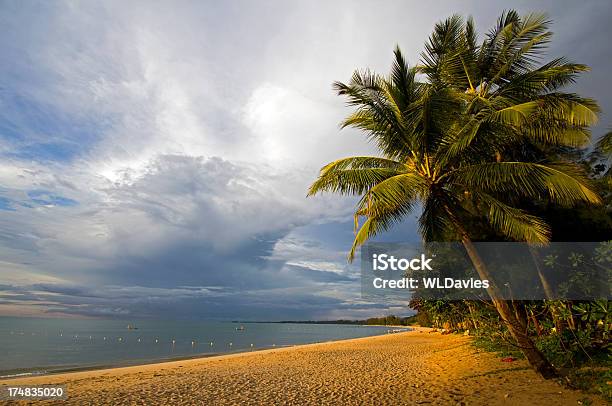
466, 133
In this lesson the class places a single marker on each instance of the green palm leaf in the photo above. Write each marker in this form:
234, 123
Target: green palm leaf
513, 223
354, 175
562, 183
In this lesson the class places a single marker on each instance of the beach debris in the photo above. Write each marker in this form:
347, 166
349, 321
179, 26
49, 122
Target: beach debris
508, 359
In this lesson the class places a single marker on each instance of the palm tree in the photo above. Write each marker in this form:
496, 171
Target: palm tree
461, 137
603, 147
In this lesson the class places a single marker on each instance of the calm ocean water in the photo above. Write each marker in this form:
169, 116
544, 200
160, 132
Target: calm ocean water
39, 346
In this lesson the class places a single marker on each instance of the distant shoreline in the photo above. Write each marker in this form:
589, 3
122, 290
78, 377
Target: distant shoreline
337, 322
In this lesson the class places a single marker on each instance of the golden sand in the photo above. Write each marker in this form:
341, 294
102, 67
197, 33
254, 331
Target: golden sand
404, 368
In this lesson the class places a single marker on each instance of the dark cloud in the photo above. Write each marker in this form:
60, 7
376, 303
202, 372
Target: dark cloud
154, 169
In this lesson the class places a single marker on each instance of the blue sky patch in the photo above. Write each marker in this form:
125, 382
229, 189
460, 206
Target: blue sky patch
40, 132
43, 197
6, 204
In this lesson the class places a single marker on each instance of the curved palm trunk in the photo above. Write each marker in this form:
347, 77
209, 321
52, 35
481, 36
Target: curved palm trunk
517, 328
550, 294
548, 290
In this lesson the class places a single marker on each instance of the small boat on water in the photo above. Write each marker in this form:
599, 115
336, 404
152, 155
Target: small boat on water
131, 327
241, 328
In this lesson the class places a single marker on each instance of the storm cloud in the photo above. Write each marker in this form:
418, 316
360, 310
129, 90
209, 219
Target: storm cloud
156, 156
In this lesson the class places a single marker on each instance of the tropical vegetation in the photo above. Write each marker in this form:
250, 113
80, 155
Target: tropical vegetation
482, 139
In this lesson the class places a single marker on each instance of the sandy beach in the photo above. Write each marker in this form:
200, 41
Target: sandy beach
404, 368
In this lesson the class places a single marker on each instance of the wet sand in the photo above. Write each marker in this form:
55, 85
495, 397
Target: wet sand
409, 368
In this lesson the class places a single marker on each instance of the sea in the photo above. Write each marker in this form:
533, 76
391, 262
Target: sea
39, 346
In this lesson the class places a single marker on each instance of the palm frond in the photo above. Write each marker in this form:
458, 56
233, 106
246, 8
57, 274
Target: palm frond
370, 228
556, 133
570, 108
354, 175
513, 223
514, 115
562, 183
377, 112
547, 78
393, 196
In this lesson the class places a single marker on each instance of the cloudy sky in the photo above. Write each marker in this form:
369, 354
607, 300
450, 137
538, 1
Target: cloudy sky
155, 155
